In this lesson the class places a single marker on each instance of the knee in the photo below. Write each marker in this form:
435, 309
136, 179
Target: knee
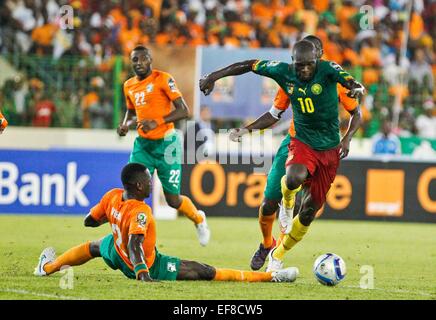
207, 272
295, 177
174, 201
269, 207
308, 213
94, 248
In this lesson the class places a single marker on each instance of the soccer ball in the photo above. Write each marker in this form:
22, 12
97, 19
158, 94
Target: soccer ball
329, 269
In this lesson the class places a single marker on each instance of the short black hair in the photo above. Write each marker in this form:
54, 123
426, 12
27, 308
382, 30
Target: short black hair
133, 173
303, 48
315, 40
141, 48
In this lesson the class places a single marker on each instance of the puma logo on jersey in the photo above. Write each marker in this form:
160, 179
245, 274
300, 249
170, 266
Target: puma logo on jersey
302, 90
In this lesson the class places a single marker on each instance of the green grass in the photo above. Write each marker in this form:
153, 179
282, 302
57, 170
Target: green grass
403, 256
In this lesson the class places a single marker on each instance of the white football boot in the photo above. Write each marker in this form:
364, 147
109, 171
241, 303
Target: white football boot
273, 263
203, 231
285, 275
47, 255
285, 218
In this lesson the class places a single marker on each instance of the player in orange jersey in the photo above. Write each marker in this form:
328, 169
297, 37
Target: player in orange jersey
131, 247
3, 123
149, 96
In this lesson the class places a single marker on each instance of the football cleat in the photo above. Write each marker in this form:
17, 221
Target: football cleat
203, 231
47, 255
285, 275
259, 257
273, 263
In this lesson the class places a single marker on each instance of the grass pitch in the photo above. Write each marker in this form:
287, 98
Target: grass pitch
401, 255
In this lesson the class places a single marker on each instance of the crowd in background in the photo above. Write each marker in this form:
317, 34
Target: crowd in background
103, 29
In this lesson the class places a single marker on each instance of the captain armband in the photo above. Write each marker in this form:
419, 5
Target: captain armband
276, 113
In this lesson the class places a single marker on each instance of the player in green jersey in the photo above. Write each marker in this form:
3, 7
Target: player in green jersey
316, 149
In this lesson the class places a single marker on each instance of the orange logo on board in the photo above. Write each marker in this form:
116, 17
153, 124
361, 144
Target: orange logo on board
385, 193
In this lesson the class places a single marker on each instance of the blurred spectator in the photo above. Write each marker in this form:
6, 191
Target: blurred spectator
100, 113
90, 104
385, 142
42, 110
426, 122
421, 75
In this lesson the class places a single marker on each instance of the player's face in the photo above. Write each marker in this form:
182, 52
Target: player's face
305, 69
141, 62
147, 184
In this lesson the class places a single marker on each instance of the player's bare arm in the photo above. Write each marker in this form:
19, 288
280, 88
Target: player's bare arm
91, 222
266, 120
207, 82
129, 119
353, 126
136, 256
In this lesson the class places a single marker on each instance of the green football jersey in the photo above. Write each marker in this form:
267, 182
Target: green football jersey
314, 103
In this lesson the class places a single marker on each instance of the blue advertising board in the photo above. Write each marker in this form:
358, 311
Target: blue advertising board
57, 181
244, 96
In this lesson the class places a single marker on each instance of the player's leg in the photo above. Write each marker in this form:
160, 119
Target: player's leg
48, 263
270, 204
319, 186
169, 170
192, 270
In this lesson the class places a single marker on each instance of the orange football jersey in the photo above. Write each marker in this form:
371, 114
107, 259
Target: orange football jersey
127, 217
151, 98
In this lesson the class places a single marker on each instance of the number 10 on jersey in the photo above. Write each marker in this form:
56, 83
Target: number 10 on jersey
306, 105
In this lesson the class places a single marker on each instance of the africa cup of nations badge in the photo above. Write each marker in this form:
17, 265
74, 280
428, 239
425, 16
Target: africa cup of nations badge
290, 88
316, 89
142, 219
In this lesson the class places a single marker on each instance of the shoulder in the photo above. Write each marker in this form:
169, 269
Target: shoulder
113, 192
130, 82
329, 65
162, 75
142, 212
268, 64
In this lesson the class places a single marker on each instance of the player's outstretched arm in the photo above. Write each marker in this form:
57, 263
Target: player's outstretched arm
266, 120
207, 82
353, 126
136, 256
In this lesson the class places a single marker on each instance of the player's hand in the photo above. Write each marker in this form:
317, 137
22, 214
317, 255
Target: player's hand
207, 84
146, 125
122, 130
237, 133
145, 276
357, 92
345, 147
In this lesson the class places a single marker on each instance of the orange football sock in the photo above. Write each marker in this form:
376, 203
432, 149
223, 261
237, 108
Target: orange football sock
189, 210
72, 257
266, 225
238, 275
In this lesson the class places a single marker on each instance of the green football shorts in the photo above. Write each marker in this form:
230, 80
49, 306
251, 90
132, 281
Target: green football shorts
273, 189
163, 155
163, 268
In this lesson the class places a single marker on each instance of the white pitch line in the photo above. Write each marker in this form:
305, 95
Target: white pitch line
45, 295
419, 293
